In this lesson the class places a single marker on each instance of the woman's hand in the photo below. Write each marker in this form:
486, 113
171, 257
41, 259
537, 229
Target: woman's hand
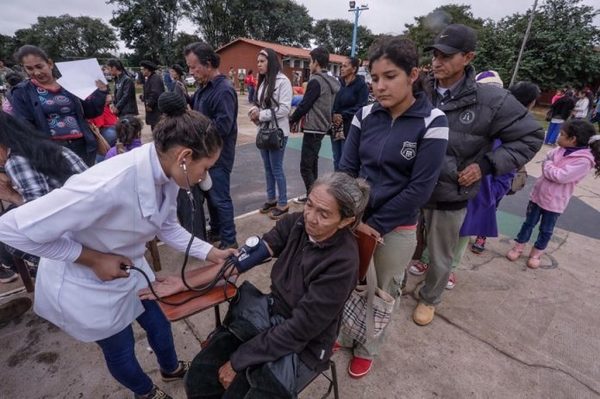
163, 286
368, 230
219, 256
102, 86
337, 120
254, 115
226, 375
106, 266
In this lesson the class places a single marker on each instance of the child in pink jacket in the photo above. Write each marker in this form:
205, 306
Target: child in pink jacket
563, 168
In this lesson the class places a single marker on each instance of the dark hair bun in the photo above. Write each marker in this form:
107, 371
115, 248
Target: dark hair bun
172, 104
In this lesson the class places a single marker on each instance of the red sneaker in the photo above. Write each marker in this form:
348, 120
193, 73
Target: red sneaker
451, 281
359, 367
417, 268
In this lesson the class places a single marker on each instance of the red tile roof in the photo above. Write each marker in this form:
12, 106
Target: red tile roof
285, 51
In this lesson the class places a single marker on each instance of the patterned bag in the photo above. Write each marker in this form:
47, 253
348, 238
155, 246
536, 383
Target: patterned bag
368, 310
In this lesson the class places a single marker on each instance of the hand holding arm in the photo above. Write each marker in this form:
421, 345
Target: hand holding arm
469, 175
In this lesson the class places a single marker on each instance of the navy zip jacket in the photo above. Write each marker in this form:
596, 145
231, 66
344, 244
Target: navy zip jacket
218, 101
401, 160
351, 98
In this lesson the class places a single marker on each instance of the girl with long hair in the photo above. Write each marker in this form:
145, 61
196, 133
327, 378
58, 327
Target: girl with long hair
273, 100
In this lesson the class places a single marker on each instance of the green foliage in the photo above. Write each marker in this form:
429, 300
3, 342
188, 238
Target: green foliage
560, 49
336, 36
279, 21
148, 26
427, 27
68, 37
182, 39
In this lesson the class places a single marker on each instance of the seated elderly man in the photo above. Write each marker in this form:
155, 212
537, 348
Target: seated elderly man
315, 272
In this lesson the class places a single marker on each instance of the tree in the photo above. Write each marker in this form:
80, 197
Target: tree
182, 39
427, 27
68, 37
560, 50
279, 21
336, 36
148, 26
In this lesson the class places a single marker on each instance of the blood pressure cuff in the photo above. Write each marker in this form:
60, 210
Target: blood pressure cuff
250, 257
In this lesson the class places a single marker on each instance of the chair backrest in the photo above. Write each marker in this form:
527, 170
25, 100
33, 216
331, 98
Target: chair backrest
366, 248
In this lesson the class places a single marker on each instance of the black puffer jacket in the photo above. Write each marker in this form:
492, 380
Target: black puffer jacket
477, 115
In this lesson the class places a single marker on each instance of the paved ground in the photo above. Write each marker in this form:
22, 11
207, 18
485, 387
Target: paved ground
505, 331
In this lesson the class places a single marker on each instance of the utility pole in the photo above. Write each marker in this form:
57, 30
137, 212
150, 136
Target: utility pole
356, 11
514, 76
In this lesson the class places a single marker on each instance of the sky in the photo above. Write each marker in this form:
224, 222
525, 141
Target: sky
383, 16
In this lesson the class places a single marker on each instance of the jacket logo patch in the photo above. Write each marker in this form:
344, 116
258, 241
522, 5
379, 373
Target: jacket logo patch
467, 117
409, 150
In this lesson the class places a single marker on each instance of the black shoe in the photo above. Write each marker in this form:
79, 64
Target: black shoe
213, 237
277, 213
227, 246
177, 374
267, 206
301, 200
7, 275
13, 309
155, 393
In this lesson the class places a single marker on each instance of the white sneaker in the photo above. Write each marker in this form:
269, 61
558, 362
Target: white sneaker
301, 200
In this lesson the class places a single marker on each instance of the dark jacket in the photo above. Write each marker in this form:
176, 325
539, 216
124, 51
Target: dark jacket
317, 103
27, 106
478, 114
563, 107
350, 99
124, 98
218, 101
310, 284
153, 88
401, 160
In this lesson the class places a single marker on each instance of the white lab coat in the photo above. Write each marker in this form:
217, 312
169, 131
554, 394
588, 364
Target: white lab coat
114, 207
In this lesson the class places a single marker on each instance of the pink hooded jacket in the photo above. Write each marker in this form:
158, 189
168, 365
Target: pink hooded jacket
553, 190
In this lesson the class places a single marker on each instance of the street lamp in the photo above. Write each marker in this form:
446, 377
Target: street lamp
356, 10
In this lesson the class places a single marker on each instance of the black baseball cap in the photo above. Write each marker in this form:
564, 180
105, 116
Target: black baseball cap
455, 38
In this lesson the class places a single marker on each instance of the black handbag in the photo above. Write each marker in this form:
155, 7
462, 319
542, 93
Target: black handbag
269, 137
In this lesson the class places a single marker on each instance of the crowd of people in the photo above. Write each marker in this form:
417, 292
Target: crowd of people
421, 169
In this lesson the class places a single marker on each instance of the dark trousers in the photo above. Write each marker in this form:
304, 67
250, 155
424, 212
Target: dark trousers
309, 158
192, 221
202, 380
220, 206
79, 147
534, 214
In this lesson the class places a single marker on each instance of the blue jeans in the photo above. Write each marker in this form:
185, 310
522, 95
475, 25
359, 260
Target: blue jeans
337, 147
119, 350
534, 214
274, 174
552, 134
220, 205
251, 91
110, 134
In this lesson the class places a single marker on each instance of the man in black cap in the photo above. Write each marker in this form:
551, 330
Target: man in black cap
477, 115
153, 88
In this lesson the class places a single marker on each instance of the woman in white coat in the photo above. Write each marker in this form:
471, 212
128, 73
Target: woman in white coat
274, 97
100, 220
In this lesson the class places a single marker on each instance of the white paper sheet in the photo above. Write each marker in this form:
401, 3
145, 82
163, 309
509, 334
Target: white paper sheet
79, 77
